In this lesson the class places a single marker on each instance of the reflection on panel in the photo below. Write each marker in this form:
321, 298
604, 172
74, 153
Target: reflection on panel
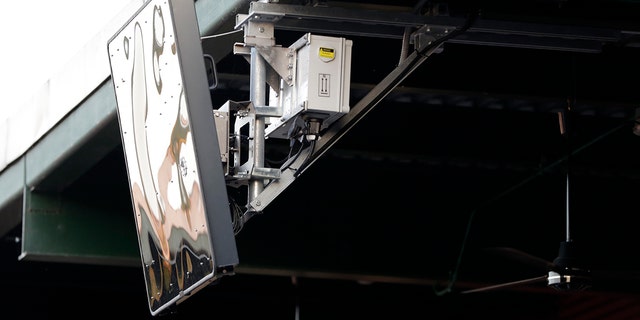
158, 139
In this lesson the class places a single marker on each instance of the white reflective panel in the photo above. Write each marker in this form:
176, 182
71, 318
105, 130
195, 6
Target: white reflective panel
157, 136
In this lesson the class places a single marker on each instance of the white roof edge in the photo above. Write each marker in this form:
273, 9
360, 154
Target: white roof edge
81, 75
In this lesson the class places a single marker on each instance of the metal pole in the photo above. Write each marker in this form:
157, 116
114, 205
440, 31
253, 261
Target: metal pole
568, 197
258, 84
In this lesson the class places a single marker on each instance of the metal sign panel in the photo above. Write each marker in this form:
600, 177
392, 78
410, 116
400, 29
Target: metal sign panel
172, 156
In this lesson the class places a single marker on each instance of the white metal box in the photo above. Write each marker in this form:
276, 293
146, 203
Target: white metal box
321, 85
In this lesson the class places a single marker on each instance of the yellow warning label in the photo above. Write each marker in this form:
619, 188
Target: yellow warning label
327, 53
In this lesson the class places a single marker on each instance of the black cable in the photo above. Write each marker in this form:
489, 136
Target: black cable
306, 162
279, 163
293, 159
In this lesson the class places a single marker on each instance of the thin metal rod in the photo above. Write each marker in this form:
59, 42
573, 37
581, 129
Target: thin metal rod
568, 233
507, 284
564, 131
